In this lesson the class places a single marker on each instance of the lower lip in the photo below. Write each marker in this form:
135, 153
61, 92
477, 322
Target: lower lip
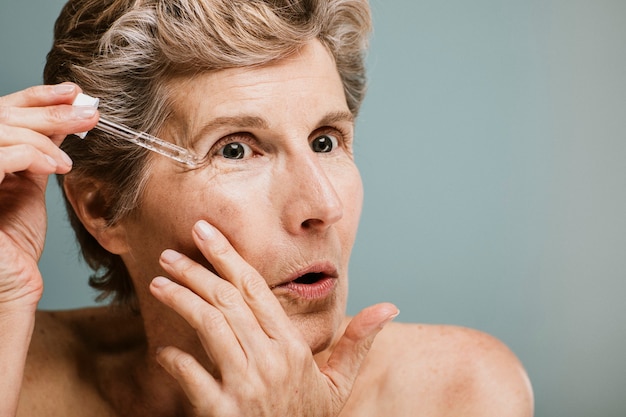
318, 290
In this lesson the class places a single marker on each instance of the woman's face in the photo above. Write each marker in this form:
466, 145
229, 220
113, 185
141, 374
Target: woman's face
280, 183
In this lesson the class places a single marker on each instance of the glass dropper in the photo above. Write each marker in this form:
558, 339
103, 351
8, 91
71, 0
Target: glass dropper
142, 139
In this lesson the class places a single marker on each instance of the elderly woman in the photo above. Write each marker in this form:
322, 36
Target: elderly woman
228, 280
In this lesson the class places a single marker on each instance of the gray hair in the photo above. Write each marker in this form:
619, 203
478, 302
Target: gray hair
126, 51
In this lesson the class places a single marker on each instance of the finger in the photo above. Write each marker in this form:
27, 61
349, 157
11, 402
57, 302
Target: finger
220, 294
46, 109
215, 333
42, 95
61, 119
19, 158
254, 289
20, 136
199, 386
345, 361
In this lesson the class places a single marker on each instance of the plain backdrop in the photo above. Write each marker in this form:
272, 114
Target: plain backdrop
492, 148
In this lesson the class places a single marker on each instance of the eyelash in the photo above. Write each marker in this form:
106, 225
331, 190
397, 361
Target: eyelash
343, 138
245, 137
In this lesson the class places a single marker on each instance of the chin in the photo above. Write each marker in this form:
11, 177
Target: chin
318, 329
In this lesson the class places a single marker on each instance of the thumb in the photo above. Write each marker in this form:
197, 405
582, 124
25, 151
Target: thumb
345, 361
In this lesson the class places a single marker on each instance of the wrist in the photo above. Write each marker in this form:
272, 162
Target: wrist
20, 296
18, 308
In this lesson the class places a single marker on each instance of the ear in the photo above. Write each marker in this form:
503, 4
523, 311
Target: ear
91, 201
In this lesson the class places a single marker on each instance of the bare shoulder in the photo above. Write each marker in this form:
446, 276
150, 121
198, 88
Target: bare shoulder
66, 350
446, 371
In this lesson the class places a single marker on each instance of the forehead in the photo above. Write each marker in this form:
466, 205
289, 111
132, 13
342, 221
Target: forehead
296, 87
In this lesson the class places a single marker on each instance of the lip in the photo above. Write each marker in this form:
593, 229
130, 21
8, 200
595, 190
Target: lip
322, 277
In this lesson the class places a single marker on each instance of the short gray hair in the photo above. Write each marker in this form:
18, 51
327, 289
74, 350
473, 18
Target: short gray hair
126, 51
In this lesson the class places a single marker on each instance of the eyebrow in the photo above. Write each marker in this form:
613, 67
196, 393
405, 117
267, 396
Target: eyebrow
336, 117
240, 122
255, 122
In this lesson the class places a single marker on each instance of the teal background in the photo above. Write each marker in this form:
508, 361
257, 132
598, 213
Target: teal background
492, 148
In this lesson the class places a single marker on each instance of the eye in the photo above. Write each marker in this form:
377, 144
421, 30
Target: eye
324, 143
235, 150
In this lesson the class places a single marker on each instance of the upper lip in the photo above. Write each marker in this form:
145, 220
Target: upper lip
326, 269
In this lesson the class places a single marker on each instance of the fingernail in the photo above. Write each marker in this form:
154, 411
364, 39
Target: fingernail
390, 318
204, 230
84, 112
68, 161
63, 89
160, 281
170, 256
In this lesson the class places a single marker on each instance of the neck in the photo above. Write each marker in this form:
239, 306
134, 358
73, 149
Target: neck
138, 384
152, 390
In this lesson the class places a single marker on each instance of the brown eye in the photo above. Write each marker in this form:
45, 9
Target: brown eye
235, 150
324, 143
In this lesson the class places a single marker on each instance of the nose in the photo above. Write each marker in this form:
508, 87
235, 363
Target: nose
311, 203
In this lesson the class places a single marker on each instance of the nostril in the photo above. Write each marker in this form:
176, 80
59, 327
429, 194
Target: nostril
311, 223
325, 219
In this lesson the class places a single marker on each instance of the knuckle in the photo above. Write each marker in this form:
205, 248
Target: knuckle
272, 372
227, 296
5, 114
183, 364
55, 114
21, 96
254, 388
24, 150
185, 267
4, 132
252, 284
32, 93
210, 319
298, 351
221, 249
175, 294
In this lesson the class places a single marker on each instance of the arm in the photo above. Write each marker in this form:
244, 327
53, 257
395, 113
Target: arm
33, 123
16, 328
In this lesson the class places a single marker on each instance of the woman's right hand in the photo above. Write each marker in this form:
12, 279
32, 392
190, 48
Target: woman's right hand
33, 123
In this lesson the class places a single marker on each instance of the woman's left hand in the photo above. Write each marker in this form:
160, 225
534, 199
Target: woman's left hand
263, 366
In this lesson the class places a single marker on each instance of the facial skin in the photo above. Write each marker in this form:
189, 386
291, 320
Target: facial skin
286, 207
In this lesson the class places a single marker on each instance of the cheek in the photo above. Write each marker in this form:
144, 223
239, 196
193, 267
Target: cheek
241, 208
169, 207
357, 196
238, 208
351, 193
244, 212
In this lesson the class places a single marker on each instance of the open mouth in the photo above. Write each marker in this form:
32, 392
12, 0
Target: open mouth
310, 285
310, 278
